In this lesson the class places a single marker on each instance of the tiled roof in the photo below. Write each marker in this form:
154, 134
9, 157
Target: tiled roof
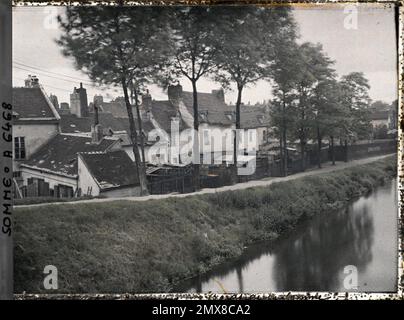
210, 105
117, 108
59, 155
32, 103
111, 169
162, 112
72, 124
254, 117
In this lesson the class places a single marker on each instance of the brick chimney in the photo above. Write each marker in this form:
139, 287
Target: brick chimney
147, 101
31, 81
219, 94
96, 128
174, 93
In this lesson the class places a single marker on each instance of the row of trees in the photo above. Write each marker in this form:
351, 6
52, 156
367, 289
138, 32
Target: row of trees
133, 46
310, 103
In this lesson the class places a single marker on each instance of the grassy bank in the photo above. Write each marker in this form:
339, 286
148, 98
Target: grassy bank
147, 246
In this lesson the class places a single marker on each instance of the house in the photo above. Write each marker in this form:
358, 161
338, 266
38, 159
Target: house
256, 117
216, 126
379, 118
109, 174
110, 126
35, 121
53, 169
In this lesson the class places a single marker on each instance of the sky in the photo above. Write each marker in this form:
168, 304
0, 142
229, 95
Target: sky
368, 47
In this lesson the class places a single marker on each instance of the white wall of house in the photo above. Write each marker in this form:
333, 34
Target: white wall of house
86, 182
262, 134
35, 135
52, 179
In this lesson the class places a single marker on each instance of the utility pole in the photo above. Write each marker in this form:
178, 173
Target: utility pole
6, 181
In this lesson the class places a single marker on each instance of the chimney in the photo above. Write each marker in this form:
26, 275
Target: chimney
78, 102
96, 118
219, 94
96, 134
31, 82
99, 99
174, 93
96, 128
147, 101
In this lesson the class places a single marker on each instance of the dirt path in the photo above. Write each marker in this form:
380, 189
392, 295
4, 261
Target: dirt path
327, 167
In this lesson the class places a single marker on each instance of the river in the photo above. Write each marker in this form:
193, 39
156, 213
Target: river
315, 256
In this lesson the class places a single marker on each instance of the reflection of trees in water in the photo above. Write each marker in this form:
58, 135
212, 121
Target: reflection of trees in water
310, 259
313, 260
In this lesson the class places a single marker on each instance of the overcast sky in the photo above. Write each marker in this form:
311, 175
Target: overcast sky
371, 49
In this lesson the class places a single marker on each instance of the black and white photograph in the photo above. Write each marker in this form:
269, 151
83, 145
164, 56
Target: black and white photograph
205, 149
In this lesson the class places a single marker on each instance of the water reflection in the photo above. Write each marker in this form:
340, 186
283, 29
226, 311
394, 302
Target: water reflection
313, 257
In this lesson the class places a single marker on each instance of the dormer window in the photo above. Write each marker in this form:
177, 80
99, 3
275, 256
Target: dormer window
146, 116
230, 115
260, 119
203, 115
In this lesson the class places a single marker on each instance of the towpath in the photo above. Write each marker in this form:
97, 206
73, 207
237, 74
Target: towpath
326, 167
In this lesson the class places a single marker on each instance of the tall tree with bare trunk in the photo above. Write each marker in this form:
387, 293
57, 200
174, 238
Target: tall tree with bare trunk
118, 46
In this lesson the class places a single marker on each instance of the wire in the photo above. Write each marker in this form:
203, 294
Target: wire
46, 85
55, 73
41, 71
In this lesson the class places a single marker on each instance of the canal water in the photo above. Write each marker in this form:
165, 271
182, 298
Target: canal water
322, 254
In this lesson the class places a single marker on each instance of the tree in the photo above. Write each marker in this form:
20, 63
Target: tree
328, 115
355, 99
118, 46
248, 37
192, 49
314, 71
284, 83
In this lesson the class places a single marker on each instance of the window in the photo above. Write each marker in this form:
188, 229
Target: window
19, 148
206, 137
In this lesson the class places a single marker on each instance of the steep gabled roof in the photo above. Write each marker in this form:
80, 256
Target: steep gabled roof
211, 106
116, 108
254, 117
70, 123
162, 112
112, 169
33, 104
59, 155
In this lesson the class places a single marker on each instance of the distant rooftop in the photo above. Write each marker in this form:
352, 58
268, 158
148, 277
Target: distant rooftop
59, 155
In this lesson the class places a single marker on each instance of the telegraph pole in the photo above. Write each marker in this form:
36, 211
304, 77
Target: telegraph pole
6, 172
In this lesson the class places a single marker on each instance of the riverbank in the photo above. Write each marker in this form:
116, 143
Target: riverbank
147, 246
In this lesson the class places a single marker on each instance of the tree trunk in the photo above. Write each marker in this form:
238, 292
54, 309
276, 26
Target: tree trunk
345, 150
139, 120
285, 150
332, 151
134, 139
302, 148
237, 133
196, 151
281, 152
319, 147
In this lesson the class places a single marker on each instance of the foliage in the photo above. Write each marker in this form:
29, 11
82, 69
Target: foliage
116, 46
